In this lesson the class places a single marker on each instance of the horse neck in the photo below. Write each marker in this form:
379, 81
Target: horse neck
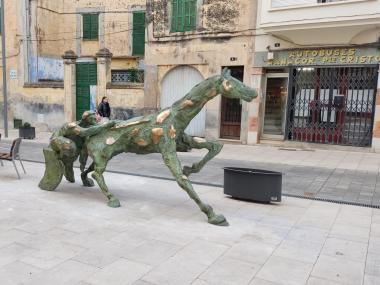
188, 107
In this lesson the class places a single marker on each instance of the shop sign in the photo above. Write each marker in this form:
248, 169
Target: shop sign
331, 56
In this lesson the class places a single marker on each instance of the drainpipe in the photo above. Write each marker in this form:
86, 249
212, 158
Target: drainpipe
4, 59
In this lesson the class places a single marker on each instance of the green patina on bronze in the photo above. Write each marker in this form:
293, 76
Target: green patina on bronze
66, 145
159, 133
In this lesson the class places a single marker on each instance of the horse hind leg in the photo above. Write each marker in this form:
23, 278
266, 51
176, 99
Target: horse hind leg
99, 168
172, 162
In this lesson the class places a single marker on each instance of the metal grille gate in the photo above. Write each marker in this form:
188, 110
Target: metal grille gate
332, 105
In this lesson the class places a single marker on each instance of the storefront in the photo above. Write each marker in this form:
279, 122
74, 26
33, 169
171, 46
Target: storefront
320, 95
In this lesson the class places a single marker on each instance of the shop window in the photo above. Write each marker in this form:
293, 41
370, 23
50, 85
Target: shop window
127, 76
138, 46
90, 26
183, 15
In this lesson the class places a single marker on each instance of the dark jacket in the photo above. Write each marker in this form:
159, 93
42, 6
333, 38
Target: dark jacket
104, 110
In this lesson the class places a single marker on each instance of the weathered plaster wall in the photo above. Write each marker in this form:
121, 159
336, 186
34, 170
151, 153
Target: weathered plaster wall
126, 102
53, 33
223, 37
124, 63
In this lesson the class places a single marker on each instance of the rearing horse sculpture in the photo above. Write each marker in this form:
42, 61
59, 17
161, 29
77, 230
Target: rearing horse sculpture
165, 133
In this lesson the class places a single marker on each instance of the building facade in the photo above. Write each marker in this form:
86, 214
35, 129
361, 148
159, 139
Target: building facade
316, 63
190, 40
64, 56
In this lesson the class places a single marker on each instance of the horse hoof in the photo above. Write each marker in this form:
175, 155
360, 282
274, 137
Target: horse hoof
88, 182
218, 220
187, 170
70, 179
113, 203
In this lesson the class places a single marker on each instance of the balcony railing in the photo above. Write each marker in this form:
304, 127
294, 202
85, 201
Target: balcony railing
127, 76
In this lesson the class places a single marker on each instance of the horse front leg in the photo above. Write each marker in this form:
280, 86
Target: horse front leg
88, 182
213, 147
172, 162
99, 168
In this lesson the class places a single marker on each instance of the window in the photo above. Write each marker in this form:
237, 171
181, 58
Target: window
138, 45
183, 15
286, 3
90, 26
127, 76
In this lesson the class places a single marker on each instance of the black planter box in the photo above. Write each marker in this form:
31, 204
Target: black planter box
27, 133
253, 184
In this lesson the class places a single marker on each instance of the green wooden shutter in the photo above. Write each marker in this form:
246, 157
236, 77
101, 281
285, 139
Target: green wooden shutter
183, 15
138, 46
174, 15
94, 26
86, 75
90, 26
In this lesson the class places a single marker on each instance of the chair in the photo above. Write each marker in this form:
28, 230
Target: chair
13, 155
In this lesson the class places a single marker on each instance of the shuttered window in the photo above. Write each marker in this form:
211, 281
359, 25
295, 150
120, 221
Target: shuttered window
138, 46
90, 26
183, 15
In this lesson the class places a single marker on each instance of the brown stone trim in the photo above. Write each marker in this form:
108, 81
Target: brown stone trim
104, 52
112, 85
44, 85
376, 130
252, 124
69, 55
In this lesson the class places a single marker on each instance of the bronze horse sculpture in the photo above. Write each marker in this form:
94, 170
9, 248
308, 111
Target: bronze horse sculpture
163, 133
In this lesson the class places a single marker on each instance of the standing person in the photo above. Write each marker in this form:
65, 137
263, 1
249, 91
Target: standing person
104, 110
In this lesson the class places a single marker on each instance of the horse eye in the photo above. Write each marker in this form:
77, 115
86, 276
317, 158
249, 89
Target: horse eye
227, 85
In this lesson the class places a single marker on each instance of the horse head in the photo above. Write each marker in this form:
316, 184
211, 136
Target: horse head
230, 87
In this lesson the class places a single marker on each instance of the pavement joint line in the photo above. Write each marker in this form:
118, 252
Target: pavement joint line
334, 201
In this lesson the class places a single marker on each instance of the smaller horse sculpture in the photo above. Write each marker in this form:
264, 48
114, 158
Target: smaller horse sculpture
165, 133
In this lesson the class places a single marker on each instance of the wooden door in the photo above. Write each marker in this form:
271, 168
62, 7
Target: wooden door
230, 127
86, 76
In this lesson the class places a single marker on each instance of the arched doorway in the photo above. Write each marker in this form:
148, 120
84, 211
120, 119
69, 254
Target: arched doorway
176, 84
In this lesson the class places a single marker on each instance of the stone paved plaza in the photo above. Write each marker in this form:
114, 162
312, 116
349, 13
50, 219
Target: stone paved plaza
159, 236
350, 174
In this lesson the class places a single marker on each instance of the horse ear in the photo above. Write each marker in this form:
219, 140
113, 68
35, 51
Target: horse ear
226, 72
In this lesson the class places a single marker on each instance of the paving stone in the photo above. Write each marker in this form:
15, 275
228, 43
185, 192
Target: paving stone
252, 251
353, 233
17, 273
345, 249
285, 271
120, 272
51, 254
258, 281
305, 251
69, 272
371, 280
227, 271
339, 270
11, 236
319, 281
372, 266
152, 252
306, 233
14, 252
103, 255
187, 264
